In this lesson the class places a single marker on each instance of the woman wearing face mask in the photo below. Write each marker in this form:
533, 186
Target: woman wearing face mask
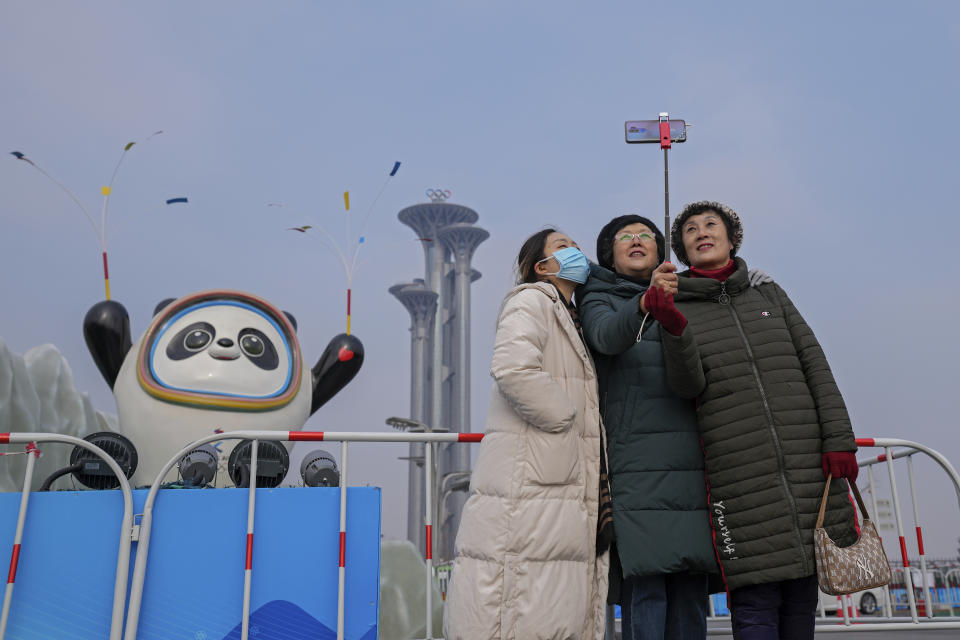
527, 560
663, 551
772, 422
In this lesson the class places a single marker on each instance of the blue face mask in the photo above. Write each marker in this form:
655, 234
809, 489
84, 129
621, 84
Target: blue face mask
574, 266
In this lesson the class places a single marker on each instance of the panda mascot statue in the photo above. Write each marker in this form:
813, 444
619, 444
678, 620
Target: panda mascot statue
209, 361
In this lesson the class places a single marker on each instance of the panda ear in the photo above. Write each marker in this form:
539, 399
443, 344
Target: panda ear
292, 320
162, 305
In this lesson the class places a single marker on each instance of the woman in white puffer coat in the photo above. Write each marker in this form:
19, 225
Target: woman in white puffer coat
527, 564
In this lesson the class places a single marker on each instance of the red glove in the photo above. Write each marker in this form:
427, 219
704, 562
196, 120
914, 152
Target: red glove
842, 464
662, 309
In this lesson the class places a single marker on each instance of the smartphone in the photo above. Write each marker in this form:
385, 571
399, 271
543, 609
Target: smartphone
649, 131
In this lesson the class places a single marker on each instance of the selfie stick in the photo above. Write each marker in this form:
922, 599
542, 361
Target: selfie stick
665, 145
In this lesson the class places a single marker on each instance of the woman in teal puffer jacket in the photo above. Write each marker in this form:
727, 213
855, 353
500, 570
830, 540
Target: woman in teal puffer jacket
663, 549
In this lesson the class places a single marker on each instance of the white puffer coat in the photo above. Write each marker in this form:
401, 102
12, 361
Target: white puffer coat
526, 565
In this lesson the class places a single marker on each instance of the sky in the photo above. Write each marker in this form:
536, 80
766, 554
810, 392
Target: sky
830, 127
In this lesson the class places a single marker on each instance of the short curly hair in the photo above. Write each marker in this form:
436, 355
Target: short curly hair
730, 220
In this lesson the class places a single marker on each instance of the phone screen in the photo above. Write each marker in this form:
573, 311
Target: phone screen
649, 131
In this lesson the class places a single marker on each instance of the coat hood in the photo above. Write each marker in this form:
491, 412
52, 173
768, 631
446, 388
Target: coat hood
545, 288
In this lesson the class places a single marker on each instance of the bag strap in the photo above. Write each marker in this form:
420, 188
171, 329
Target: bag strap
856, 494
826, 494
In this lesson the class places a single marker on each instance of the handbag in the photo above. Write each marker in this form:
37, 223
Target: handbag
862, 565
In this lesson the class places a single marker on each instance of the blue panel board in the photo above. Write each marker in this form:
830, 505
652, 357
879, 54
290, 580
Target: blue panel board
194, 586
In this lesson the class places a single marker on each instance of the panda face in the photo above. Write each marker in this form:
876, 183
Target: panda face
202, 337
225, 348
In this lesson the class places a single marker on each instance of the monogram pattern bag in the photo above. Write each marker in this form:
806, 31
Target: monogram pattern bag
862, 565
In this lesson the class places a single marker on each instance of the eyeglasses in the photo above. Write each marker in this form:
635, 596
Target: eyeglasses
628, 237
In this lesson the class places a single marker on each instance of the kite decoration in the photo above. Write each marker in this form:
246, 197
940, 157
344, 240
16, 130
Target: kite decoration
347, 259
176, 200
105, 191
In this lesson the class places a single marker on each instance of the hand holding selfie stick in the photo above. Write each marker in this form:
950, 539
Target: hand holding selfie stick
666, 132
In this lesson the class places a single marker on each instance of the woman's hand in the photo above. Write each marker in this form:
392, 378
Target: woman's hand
665, 278
661, 307
757, 277
842, 464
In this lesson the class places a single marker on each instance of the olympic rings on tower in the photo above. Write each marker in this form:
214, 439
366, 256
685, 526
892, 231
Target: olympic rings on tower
438, 195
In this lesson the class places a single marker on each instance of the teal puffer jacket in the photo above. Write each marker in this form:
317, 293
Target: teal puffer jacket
656, 464
768, 408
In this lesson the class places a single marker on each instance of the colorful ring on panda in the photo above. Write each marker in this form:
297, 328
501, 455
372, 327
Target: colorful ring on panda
213, 400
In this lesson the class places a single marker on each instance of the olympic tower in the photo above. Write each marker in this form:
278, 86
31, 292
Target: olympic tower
440, 357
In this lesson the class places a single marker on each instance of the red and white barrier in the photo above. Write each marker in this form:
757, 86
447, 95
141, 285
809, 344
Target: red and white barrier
342, 570
248, 564
888, 456
428, 539
846, 609
127, 530
140, 564
32, 454
923, 560
921, 618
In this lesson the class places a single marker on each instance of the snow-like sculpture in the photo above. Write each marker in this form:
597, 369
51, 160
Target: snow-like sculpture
403, 598
37, 393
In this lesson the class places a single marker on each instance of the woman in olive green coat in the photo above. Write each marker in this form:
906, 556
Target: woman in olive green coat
772, 421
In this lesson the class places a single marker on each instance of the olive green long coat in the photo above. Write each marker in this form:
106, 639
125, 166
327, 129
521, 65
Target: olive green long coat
768, 408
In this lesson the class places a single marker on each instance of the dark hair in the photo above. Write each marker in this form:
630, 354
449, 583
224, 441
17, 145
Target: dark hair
605, 240
530, 254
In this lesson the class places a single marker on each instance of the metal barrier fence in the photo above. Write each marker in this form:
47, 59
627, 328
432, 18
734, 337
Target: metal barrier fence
141, 532
127, 530
946, 595
931, 597
902, 593
140, 565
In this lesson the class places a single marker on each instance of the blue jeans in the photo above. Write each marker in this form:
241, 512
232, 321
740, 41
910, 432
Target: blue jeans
784, 610
665, 607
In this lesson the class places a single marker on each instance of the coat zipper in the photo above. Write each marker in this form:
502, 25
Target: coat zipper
726, 301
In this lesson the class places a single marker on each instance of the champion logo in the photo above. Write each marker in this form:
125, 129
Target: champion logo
765, 314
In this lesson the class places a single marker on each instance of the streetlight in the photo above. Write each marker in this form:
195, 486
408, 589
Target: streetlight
413, 426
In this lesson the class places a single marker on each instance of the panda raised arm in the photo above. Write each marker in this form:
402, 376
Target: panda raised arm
106, 330
340, 362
